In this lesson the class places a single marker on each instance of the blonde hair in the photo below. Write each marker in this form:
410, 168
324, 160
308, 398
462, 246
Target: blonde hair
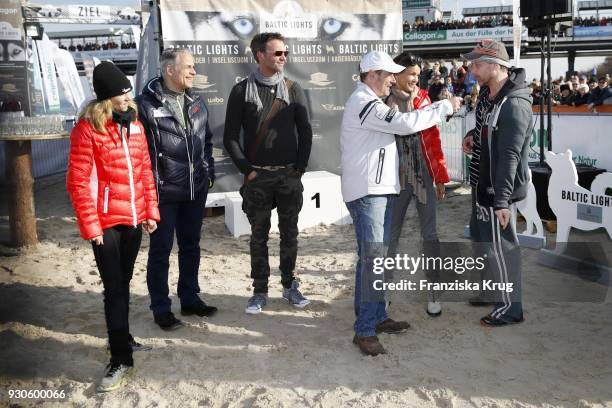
99, 112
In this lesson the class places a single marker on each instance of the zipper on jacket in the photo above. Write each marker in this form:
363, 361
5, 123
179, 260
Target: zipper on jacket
186, 130
490, 188
491, 126
190, 166
126, 150
381, 162
105, 206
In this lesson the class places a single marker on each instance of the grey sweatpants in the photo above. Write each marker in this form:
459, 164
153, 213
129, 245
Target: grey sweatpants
503, 261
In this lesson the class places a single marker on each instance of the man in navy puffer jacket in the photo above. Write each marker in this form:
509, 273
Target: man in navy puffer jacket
180, 145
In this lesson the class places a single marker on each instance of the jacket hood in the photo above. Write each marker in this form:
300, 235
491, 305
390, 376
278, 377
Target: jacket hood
515, 86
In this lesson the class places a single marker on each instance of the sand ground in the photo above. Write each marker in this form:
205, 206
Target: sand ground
53, 335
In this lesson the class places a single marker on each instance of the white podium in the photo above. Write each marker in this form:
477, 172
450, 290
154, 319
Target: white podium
322, 205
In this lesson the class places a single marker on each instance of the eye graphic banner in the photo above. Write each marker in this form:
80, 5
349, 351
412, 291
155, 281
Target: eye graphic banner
325, 41
13, 57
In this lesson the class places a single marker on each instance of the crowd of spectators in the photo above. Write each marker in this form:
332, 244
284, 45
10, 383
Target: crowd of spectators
491, 21
481, 22
577, 91
443, 81
592, 21
109, 45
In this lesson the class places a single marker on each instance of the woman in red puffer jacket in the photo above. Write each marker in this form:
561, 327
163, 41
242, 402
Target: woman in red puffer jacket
112, 190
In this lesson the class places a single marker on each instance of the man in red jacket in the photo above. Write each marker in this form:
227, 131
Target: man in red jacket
422, 168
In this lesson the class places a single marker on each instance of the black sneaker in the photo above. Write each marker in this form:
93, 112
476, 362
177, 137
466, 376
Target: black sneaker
167, 321
491, 321
136, 346
201, 309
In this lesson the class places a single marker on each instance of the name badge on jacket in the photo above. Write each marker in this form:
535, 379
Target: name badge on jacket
162, 112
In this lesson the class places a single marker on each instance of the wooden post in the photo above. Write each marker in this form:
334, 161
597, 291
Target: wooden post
20, 192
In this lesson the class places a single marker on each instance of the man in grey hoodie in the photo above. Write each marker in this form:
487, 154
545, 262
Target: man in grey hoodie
499, 174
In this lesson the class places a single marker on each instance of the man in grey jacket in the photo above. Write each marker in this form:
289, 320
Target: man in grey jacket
499, 174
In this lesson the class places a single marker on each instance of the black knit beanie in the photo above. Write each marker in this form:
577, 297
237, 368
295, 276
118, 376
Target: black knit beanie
109, 81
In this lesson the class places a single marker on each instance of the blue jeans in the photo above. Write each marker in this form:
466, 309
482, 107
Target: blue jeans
186, 218
371, 219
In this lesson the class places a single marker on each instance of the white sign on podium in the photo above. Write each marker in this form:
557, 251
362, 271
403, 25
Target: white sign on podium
533, 236
580, 208
322, 205
573, 205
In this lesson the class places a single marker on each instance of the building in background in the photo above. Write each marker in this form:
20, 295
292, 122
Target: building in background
421, 10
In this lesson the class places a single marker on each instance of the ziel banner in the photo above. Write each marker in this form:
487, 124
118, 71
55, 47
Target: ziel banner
81, 14
325, 41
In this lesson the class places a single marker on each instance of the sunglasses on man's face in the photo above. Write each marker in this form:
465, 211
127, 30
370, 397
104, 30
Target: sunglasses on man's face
279, 53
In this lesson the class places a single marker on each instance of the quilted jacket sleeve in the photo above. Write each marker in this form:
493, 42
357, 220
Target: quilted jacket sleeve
148, 182
207, 152
80, 166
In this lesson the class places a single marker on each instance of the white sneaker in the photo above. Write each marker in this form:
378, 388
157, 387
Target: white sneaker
434, 309
294, 296
256, 303
115, 376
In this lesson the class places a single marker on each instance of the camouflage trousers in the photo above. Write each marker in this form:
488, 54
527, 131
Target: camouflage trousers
280, 189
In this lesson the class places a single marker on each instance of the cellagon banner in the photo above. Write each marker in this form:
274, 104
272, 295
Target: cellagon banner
13, 59
325, 40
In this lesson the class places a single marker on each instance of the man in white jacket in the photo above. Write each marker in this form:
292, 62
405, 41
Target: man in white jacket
370, 181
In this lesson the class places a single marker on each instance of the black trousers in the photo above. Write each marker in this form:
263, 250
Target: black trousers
115, 260
272, 189
184, 218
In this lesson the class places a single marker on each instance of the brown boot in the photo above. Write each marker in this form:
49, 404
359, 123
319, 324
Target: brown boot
392, 327
369, 345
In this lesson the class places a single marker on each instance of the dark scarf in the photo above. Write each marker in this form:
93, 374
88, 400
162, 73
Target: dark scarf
123, 119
